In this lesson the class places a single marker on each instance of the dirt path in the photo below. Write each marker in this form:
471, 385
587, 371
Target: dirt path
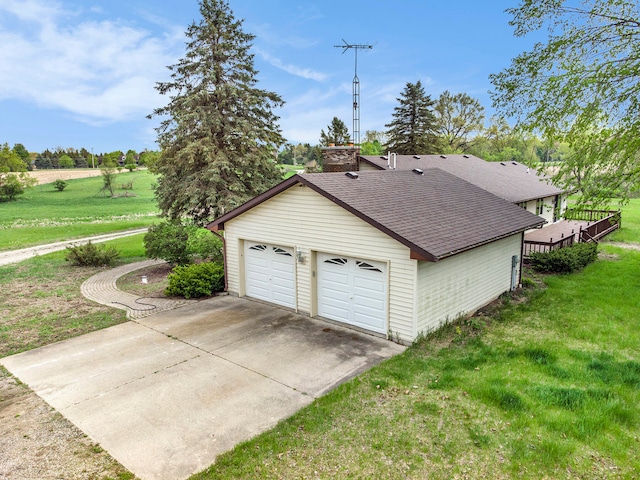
15, 256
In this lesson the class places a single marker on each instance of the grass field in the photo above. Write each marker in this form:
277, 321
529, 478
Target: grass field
630, 231
42, 302
43, 214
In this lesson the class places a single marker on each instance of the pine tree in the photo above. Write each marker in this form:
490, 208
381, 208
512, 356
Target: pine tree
412, 130
220, 138
337, 133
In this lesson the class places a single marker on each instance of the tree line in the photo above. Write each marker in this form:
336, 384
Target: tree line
453, 123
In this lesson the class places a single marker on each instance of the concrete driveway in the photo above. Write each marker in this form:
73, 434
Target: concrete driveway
166, 394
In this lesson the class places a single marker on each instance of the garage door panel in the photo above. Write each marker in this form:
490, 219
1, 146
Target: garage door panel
270, 273
353, 291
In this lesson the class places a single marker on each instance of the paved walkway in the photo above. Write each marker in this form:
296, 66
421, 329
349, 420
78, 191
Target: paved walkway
102, 288
15, 256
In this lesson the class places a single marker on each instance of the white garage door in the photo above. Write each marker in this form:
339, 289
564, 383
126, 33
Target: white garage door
353, 291
270, 273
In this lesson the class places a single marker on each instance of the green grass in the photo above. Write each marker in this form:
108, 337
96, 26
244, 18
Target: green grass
630, 231
547, 388
44, 215
42, 302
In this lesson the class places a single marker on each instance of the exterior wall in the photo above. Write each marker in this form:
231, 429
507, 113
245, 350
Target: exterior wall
461, 284
303, 219
366, 167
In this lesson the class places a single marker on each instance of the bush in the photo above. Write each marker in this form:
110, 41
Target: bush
180, 244
565, 260
168, 241
60, 185
194, 281
91, 255
204, 245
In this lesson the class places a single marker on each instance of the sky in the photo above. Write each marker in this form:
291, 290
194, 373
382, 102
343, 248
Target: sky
82, 73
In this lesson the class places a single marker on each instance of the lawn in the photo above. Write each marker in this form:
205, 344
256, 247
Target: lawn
630, 231
42, 303
44, 214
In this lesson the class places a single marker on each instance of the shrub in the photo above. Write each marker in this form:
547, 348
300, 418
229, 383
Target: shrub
204, 245
91, 255
168, 241
565, 260
180, 244
194, 281
60, 185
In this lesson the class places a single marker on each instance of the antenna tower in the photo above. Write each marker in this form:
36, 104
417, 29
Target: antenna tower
356, 87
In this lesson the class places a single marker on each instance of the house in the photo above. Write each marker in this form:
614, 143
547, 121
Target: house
392, 253
512, 181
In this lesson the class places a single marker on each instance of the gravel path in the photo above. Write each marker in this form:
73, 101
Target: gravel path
15, 256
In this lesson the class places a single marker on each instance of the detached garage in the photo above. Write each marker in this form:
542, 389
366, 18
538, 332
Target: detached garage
390, 253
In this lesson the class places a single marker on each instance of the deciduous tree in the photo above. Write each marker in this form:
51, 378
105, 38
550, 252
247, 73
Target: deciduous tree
459, 118
412, 130
580, 87
219, 136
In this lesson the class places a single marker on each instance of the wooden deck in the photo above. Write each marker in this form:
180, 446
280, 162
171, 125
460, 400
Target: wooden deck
585, 226
554, 232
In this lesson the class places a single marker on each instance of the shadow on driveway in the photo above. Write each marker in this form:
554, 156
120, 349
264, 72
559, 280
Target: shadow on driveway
167, 394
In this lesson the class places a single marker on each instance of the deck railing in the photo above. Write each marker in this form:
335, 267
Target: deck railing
604, 226
604, 222
531, 246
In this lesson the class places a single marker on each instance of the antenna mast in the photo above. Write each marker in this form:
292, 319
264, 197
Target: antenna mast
356, 87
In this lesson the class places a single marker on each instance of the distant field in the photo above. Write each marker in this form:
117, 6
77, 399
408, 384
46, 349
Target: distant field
44, 215
48, 176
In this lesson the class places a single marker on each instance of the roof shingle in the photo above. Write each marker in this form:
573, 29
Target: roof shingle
435, 214
509, 180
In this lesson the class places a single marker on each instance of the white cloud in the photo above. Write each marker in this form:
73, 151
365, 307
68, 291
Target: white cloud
292, 69
100, 72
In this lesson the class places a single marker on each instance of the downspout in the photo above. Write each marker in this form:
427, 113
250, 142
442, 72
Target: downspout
224, 258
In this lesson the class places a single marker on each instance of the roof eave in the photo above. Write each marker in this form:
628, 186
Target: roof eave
491, 240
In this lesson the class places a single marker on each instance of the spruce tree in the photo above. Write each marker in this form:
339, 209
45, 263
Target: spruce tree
220, 138
413, 126
337, 133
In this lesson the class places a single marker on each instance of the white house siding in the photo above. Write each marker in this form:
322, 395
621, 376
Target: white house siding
461, 284
305, 220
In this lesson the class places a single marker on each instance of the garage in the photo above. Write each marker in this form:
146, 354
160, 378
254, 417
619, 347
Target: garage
270, 273
353, 291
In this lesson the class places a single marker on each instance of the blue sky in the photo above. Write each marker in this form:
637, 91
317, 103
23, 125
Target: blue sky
81, 73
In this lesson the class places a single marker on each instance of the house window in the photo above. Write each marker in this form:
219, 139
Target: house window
539, 206
523, 205
281, 251
260, 248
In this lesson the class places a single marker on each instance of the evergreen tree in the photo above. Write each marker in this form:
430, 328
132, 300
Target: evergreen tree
220, 140
413, 125
337, 133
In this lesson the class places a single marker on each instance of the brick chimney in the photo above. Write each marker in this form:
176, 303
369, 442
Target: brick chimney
340, 159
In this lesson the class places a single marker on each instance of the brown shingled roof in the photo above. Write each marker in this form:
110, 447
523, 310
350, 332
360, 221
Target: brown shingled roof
435, 214
509, 180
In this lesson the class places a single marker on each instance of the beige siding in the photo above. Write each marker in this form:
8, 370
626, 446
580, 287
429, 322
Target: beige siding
461, 284
308, 222
366, 167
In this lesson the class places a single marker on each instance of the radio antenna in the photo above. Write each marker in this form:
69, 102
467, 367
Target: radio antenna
356, 87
